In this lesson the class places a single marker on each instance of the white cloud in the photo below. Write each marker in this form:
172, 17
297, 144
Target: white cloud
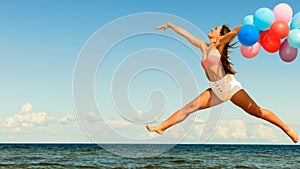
239, 129
41, 126
28, 120
30, 126
16, 130
235, 129
139, 114
92, 115
26, 108
266, 132
177, 131
229, 131
198, 120
143, 117
68, 119
222, 132
118, 123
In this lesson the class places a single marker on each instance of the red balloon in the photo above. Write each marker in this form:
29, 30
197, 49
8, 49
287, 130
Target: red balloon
270, 44
262, 35
279, 30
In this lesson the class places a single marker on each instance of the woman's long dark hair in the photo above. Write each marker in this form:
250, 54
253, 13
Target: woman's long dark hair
224, 55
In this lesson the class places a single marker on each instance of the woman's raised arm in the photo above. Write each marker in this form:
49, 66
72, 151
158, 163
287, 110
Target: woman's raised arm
230, 35
195, 41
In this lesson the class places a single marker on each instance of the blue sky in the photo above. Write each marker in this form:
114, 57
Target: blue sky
41, 41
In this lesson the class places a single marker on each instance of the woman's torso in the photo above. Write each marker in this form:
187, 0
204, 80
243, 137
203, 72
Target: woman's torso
212, 63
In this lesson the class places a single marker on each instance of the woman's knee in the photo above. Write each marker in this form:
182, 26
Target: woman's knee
190, 108
255, 111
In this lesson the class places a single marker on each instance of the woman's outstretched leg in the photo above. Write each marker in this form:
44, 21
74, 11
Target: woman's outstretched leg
204, 100
244, 101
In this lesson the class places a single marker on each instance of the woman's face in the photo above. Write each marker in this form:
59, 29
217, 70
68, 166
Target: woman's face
215, 32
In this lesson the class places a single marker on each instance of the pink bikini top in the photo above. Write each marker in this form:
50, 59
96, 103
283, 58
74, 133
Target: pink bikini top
211, 60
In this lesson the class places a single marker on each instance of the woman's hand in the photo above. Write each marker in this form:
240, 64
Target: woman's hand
163, 27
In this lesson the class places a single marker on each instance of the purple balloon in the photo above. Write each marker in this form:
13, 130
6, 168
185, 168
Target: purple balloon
287, 53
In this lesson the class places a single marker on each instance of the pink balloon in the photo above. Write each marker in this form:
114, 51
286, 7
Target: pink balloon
287, 53
283, 12
250, 51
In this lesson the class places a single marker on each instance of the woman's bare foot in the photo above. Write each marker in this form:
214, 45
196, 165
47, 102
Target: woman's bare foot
292, 134
156, 129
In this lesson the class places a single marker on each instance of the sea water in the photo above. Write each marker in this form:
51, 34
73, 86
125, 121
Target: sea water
179, 156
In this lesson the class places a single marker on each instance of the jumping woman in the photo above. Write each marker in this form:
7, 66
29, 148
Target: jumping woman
223, 85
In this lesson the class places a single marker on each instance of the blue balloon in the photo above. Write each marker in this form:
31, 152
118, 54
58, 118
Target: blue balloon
248, 20
248, 35
294, 38
263, 18
295, 23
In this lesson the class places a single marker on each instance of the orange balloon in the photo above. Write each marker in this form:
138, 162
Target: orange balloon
279, 30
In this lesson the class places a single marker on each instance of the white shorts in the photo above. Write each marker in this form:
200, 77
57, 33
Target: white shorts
226, 87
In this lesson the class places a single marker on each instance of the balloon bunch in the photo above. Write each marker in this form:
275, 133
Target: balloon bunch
276, 30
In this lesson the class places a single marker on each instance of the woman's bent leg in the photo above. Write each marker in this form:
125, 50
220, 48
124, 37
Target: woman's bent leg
244, 101
204, 100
